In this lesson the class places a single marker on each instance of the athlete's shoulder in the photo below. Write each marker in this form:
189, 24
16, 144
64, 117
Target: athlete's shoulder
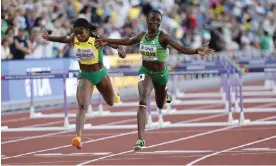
75, 41
141, 34
91, 41
164, 38
162, 33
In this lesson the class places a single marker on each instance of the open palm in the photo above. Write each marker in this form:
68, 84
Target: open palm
203, 50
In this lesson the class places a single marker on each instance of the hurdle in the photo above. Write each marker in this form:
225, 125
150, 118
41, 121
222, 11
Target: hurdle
259, 100
44, 74
178, 96
268, 62
239, 101
101, 112
160, 113
225, 99
68, 126
170, 111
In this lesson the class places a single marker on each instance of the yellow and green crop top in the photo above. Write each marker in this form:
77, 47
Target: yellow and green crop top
86, 52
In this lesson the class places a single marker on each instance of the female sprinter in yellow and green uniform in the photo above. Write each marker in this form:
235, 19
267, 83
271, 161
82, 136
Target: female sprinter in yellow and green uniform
92, 71
153, 72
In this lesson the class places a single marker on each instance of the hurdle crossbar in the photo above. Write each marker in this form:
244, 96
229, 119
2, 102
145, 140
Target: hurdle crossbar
160, 122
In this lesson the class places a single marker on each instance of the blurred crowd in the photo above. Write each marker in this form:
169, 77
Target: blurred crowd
228, 25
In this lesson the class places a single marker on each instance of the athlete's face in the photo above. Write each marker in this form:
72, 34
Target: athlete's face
153, 21
81, 33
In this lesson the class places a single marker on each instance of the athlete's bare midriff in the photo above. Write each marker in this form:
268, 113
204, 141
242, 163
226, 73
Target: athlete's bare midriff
91, 68
155, 66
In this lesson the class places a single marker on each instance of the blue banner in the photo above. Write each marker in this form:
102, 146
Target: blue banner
16, 90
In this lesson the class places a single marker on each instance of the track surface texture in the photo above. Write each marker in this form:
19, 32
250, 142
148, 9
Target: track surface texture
223, 145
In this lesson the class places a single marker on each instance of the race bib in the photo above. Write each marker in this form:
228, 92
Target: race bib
84, 54
149, 53
141, 77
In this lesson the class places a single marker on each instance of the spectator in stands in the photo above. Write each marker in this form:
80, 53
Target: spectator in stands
4, 23
115, 34
5, 49
266, 42
30, 19
10, 33
15, 25
20, 47
240, 21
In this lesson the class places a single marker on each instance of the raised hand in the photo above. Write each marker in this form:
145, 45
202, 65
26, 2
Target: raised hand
203, 50
100, 42
121, 52
45, 34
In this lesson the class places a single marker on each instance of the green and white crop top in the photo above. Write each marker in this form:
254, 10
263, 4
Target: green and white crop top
152, 50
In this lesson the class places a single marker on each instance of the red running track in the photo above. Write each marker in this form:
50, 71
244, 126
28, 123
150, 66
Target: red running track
247, 145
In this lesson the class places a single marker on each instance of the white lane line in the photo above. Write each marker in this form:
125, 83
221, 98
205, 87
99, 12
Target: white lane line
14, 120
259, 149
28, 115
111, 123
128, 158
160, 144
56, 133
70, 120
200, 152
229, 149
120, 122
176, 151
167, 142
47, 124
71, 154
28, 118
66, 146
150, 132
105, 138
145, 156
33, 137
267, 105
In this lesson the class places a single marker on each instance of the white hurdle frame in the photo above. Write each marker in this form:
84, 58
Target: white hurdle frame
160, 113
69, 127
239, 103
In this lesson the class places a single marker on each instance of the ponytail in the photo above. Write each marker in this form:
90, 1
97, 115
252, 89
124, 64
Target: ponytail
93, 31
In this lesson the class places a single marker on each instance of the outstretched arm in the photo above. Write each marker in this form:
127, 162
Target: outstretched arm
120, 49
168, 40
125, 41
59, 39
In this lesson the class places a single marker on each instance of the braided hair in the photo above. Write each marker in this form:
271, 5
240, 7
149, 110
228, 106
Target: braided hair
82, 22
